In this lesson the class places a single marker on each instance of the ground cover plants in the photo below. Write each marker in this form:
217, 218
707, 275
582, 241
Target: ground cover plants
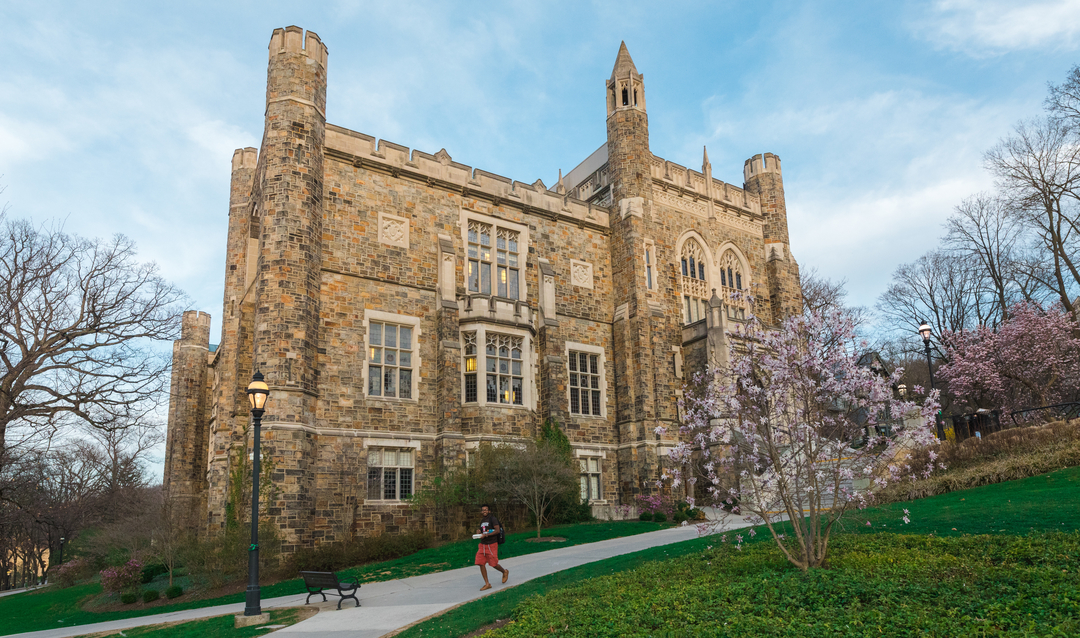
883, 584
54, 607
1039, 505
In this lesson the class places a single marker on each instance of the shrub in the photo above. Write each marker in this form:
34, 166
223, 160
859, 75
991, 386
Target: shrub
128, 598
150, 572
660, 517
72, 572
150, 595
365, 549
125, 577
1001, 456
679, 517
645, 516
223, 558
174, 591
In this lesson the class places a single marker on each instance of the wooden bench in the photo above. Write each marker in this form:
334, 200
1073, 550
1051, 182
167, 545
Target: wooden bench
320, 582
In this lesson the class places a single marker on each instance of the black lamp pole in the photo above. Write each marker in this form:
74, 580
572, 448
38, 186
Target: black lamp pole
925, 331
61, 561
257, 393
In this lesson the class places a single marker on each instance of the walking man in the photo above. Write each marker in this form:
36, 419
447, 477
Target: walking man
488, 552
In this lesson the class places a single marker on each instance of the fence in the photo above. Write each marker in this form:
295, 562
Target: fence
983, 422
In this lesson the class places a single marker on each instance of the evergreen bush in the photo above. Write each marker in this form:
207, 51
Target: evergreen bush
128, 598
645, 516
150, 595
174, 591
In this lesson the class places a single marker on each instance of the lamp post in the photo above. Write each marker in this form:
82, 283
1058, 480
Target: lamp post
257, 392
925, 331
61, 560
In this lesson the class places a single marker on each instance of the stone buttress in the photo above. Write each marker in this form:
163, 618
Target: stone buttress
184, 483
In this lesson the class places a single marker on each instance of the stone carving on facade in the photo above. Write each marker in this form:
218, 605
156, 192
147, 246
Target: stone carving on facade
393, 230
581, 274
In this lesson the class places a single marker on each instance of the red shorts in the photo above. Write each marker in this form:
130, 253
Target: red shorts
488, 554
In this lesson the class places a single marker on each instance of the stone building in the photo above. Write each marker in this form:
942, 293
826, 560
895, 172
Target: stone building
406, 309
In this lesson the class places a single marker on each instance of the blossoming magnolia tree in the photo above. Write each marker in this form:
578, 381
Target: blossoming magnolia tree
1031, 360
790, 425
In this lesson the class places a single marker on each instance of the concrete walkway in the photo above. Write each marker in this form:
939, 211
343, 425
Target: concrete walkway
392, 605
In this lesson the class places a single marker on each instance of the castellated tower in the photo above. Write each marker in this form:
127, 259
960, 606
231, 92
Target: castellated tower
232, 361
646, 325
184, 482
762, 176
289, 210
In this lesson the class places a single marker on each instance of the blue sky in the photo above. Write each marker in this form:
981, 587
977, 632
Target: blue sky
122, 117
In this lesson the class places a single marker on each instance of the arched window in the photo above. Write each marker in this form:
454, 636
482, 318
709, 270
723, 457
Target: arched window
732, 284
695, 286
625, 98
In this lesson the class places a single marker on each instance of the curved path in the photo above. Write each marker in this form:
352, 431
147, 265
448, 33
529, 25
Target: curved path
389, 606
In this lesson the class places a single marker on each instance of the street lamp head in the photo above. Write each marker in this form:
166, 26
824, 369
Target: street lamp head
925, 331
258, 391
902, 389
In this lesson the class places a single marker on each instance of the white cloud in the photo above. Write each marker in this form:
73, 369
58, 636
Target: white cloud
986, 27
870, 179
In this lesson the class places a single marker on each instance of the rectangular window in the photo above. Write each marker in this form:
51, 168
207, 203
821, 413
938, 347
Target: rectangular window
390, 360
585, 397
470, 366
590, 479
390, 474
504, 366
503, 263
648, 268
499, 369
479, 258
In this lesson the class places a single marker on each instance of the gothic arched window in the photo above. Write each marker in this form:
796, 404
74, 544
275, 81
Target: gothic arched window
695, 286
732, 284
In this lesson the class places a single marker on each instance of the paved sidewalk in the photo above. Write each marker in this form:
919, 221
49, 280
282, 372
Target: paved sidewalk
392, 605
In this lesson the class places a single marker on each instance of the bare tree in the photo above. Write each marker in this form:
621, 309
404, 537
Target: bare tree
1038, 170
78, 319
1063, 101
938, 287
983, 230
537, 474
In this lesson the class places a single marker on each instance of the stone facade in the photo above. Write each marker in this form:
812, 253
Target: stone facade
406, 309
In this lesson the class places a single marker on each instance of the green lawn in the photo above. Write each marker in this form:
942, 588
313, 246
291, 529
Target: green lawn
216, 627
1046, 503
50, 608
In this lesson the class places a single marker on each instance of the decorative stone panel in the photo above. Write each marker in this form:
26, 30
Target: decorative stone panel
581, 274
393, 230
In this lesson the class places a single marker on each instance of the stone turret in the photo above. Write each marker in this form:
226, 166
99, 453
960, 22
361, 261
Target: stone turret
290, 215
762, 176
646, 327
184, 482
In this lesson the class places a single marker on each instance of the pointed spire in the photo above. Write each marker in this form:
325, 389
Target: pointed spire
624, 65
705, 160
561, 188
